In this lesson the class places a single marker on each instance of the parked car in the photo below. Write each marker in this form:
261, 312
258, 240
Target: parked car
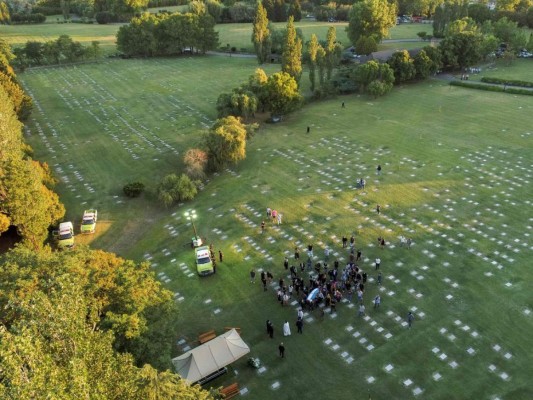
88, 222
524, 54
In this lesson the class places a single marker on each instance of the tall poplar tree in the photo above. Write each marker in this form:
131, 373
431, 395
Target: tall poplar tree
261, 34
333, 51
312, 48
291, 59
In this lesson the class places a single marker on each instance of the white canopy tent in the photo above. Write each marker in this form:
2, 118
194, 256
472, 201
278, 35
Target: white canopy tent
210, 357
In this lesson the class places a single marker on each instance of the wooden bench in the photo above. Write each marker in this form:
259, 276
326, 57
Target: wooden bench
206, 337
230, 391
229, 328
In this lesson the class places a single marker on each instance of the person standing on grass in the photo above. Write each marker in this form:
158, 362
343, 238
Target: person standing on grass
279, 218
300, 324
220, 255
269, 212
377, 301
377, 263
378, 169
359, 254
286, 263
281, 349
270, 328
352, 242
262, 226
308, 129
379, 279
409, 243
361, 310
310, 251
378, 209
252, 276
344, 241
410, 319
263, 280
326, 254
296, 253
286, 329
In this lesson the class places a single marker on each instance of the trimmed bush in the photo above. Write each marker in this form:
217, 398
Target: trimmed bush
490, 88
133, 189
508, 82
22, 18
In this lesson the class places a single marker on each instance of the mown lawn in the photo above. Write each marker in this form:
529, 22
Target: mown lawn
456, 179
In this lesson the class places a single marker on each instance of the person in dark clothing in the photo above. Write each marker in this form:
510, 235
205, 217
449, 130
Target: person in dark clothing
270, 329
344, 242
281, 349
300, 325
220, 256
296, 253
286, 263
359, 253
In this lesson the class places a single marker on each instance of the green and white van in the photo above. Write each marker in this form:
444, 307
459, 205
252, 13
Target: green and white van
204, 263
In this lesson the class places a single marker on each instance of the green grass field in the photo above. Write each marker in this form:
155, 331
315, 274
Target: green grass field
456, 179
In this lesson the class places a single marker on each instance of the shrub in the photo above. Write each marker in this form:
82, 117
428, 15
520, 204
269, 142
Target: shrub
490, 88
173, 189
104, 17
133, 189
508, 82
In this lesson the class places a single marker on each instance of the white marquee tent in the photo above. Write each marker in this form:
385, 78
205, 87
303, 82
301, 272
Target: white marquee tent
210, 357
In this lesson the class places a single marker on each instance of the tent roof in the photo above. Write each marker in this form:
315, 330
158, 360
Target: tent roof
211, 356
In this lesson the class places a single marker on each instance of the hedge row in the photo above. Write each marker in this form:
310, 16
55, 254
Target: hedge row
23, 18
508, 82
490, 88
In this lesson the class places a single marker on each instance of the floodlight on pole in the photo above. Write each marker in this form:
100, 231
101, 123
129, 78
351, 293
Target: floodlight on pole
191, 216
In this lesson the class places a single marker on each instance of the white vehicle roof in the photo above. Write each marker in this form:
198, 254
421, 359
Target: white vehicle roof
202, 253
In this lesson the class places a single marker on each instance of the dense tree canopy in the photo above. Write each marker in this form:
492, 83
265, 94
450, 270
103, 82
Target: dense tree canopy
226, 142
26, 200
283, 95
167, 34
371, 18
54, 341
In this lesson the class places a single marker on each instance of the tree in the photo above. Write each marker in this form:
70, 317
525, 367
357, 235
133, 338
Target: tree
34, 51
261, 34
291, 59
450, 10
509, 32
403, 66
138, 37
333, 52
226, 143
462, 49
4, 13
207, 38
239, 103
22, 103
312, 49
371, 18
257, 85
423, 65
321, 63
435, 56
373, 71
174, 189
280, 12
195, 161
49, 343
366, 45
295, 10
283, 95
